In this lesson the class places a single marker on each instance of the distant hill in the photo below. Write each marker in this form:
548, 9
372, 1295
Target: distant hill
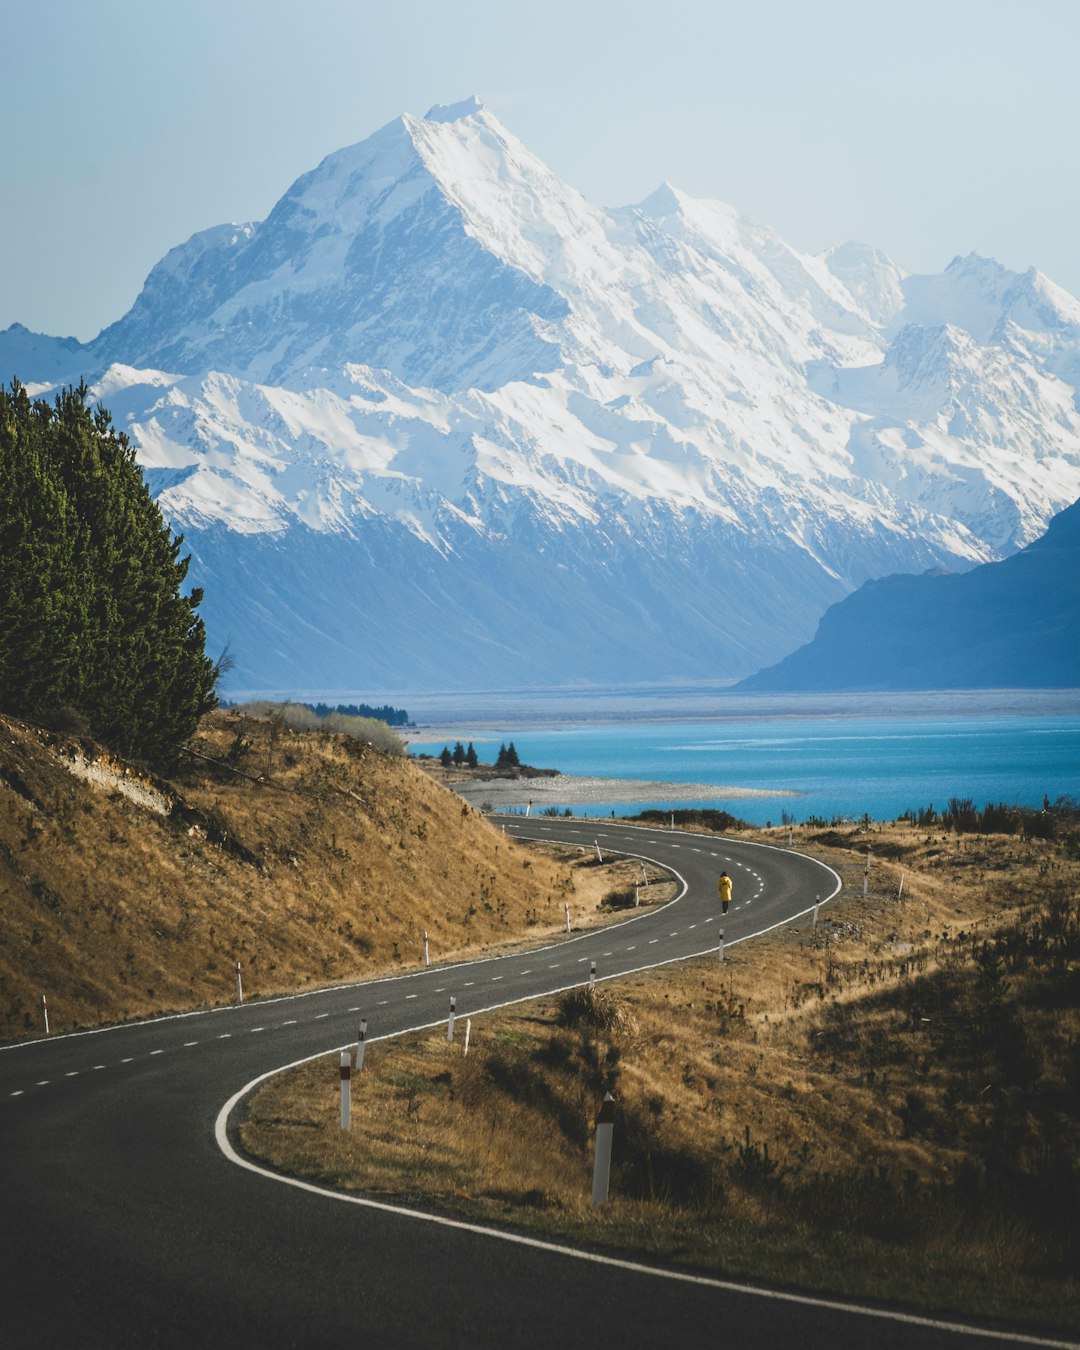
1007, 625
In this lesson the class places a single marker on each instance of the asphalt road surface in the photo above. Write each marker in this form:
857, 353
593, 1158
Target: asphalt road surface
125, 1219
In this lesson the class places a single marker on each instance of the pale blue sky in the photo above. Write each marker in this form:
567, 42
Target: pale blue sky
925, 127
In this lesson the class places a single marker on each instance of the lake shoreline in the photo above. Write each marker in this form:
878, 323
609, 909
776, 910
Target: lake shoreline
564, 789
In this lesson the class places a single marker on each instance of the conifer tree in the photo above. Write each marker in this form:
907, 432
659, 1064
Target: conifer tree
92, 614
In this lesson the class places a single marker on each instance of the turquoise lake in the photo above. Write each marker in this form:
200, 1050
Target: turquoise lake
874, 763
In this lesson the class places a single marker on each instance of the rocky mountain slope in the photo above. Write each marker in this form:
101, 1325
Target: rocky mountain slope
438, 420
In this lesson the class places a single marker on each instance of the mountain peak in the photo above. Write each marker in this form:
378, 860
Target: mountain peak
667, 200
455, 112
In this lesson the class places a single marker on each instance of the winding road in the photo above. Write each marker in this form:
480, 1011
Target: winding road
127, 1219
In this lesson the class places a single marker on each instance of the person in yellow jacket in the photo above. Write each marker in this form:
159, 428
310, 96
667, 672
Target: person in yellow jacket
723, 885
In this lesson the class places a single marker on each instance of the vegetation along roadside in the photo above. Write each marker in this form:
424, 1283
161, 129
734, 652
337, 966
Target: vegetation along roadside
881, 1106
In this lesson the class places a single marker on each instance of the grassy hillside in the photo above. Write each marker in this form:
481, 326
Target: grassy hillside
309, 858
886, 1105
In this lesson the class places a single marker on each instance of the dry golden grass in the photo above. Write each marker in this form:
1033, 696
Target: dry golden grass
812, 1112
310, 858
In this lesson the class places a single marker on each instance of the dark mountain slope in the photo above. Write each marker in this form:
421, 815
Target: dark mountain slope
1010, 624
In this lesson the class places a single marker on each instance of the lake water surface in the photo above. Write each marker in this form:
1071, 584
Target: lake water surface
892, 754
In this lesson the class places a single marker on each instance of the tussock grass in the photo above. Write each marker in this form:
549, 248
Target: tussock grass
886, 1105
310, 857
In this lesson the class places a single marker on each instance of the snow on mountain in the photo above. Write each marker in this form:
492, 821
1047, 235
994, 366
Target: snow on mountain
438, 397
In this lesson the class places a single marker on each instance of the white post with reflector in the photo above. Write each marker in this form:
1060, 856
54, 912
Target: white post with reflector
346, 1089
45, 1012
427, 958
605, 1128
599, 855
451, 1018
720, 954
361, 1041
592, 974
239, 985
468, 1033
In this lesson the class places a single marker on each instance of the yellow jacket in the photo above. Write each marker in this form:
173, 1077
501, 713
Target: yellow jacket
723, 885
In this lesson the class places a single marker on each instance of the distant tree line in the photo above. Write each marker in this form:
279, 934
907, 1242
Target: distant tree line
95, 632
393, 717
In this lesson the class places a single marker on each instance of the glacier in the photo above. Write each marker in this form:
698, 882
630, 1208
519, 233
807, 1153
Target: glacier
440, 422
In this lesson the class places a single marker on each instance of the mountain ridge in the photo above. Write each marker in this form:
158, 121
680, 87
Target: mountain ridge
432, 351
1008, 624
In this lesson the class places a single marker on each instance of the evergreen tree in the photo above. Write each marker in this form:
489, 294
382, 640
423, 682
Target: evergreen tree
91, 610
471, 758
512, 756
446, 758
459, 754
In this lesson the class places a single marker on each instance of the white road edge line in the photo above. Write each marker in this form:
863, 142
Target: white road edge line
221, 1136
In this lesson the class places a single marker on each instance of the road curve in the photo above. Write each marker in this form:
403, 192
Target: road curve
126, 1224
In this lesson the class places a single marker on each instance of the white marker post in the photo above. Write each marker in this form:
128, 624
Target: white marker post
592, 974
900, 888
721, 951
45, 1012
427, 958
450, 1021
361, 1042
239, 985
605, 1127
468, 1033
866, 874
599, 855
816, 905
346, 1090
567, 908
644, 875
637, 896
673, 820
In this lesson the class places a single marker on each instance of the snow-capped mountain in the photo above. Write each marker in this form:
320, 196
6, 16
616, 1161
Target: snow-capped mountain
438, 420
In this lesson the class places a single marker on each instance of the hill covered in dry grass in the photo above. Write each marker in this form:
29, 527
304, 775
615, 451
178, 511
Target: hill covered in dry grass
884, 1105
310, 858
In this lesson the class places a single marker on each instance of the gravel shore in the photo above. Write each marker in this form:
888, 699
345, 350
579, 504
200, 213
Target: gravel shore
568, 790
